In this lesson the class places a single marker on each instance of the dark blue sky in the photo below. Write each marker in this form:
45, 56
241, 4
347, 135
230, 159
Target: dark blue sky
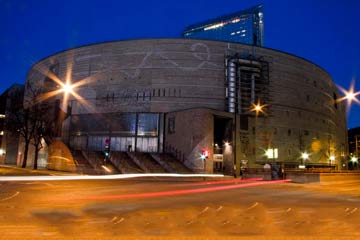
326, 32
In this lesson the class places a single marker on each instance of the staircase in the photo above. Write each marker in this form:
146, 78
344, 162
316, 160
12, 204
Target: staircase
124, 163
170, 163
146, 162
112, 169
82, 165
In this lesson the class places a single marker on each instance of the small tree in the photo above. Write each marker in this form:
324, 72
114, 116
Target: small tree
44, 127
33, 120
19, 122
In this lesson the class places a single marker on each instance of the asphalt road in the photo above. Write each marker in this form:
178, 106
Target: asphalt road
98, 209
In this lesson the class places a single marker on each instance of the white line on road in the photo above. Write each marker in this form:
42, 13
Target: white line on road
12, 196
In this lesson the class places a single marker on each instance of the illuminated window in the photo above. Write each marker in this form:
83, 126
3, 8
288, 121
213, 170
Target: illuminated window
2, 133
272, 153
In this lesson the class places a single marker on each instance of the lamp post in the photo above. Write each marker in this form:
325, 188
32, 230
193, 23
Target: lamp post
354, 161
258, 109
304, 157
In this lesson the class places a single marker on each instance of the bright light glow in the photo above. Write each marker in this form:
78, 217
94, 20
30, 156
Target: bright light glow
349, 95
272, 153
2, 116
354, 159
106, 168
103, 177
302, 166
67, 88
235, 20
305, 156
2, 133
332, 158
218, 25
2, 151
227, 144
258, 108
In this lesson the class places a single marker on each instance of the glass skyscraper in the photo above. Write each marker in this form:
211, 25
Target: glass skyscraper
246, 26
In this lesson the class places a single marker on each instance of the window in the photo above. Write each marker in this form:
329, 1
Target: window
335, 101
147, 124
289, 132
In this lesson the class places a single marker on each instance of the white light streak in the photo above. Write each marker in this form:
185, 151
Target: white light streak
102, 177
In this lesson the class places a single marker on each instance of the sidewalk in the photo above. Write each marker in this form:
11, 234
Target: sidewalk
11, 170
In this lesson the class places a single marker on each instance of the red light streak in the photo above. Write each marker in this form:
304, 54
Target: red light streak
222, 182
182, 192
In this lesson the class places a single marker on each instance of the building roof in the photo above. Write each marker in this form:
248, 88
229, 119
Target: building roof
251, 10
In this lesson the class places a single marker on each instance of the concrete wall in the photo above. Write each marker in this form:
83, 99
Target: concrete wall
187, 134
167, 75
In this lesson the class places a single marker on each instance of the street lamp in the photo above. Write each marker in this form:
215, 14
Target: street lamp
304, 157
353, 161
67, 88
349, 95
257, 108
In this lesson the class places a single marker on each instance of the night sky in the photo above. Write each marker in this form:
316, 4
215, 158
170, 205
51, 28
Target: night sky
325, 32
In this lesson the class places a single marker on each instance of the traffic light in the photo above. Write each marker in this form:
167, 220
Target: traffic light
107, 148
205, 154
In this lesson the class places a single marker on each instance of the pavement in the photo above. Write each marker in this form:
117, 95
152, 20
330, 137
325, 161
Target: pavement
147, 209
12, 170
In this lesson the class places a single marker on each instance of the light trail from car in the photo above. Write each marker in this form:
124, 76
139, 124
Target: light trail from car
221, 182
105, 177
180, 192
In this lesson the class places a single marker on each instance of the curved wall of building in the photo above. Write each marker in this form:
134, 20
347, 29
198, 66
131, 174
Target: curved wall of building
169, 75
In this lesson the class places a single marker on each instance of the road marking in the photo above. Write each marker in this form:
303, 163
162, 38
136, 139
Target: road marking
254, 205
219, 208
12, 196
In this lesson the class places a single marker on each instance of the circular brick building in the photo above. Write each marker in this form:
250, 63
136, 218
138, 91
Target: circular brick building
195, 100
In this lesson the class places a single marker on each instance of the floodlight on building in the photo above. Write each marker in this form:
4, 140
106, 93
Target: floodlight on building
258, 108
332, 158
305, 155
349, 95
353, 159
67, 88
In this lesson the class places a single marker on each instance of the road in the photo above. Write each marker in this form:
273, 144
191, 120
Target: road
99, 209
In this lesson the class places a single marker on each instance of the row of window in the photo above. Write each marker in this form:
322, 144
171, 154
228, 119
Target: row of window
146, 95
